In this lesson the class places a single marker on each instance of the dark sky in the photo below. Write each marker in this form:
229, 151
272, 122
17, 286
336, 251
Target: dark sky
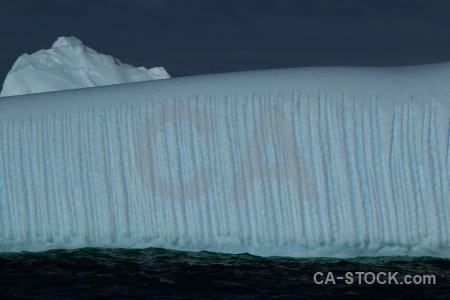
190, 37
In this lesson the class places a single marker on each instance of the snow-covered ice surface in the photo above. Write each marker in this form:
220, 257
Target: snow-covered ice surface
336, 161
69, 65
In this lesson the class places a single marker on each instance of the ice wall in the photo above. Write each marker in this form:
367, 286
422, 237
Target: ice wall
69, 65
297, 162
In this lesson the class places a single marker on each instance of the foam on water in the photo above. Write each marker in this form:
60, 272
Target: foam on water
297, 162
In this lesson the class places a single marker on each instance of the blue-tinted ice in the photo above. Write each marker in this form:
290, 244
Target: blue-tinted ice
296, 162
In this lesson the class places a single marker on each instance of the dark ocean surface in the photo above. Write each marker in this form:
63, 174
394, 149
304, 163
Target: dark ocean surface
160, 274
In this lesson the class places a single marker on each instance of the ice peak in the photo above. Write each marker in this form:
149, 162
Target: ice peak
67, 41
70, 64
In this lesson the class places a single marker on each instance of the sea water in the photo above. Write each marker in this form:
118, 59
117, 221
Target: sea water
162, 274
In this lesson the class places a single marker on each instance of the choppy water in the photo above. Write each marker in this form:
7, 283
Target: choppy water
159, 273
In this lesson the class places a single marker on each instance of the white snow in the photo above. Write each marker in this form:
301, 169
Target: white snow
338, 161
69, 65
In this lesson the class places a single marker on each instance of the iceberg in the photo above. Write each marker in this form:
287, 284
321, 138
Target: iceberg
69, 65
305, 162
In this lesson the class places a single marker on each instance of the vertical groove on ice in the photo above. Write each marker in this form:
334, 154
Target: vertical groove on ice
290, 171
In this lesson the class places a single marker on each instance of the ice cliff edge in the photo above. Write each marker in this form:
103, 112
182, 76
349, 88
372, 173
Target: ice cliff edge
70, 64
308, 162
